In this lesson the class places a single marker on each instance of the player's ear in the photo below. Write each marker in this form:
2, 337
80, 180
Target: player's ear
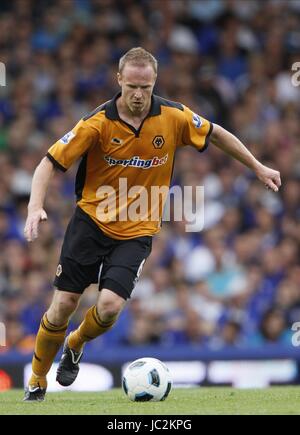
119, 77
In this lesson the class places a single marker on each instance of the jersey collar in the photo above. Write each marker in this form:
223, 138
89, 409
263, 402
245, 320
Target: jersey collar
111, 111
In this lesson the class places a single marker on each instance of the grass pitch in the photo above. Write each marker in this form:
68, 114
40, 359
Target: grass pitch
194, 401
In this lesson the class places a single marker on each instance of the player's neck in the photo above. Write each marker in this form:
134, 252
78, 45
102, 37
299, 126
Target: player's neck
129, 116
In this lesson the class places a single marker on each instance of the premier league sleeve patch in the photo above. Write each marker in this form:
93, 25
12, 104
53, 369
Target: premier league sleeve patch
67, 138
197, 120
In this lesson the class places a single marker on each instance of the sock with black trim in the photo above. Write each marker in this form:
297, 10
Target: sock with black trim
91, 327
48, 341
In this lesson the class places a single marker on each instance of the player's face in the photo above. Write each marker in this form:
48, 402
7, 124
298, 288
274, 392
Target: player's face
137, 83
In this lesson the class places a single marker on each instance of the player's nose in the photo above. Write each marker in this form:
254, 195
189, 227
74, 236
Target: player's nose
138, 94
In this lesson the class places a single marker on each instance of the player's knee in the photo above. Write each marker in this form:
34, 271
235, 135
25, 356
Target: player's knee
66, 306
109, 307
61, 308
109, 310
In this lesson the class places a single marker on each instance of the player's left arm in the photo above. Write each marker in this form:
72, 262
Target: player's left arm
231, 145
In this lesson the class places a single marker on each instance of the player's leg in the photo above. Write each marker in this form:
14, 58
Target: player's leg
78, 268
110, 305
98, 319
50, 337
120, 272
79, 278
71, 280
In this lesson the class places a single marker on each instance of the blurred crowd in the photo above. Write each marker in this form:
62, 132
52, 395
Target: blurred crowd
236, 282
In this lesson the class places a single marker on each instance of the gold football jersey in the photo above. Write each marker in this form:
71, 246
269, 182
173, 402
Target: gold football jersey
124, 174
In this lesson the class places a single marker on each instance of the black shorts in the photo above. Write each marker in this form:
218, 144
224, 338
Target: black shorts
89, 256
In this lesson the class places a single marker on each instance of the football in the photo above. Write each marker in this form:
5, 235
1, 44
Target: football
147, 380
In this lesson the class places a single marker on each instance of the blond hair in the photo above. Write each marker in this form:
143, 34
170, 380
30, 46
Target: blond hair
138, 56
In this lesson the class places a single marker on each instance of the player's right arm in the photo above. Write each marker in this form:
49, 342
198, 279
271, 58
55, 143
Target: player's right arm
36, 212
61, 156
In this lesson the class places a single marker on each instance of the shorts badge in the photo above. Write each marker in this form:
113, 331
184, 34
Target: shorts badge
59, 270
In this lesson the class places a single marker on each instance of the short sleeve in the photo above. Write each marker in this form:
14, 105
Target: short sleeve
72, 145
196, 130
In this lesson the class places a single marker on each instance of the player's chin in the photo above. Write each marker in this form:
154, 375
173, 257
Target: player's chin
137, 107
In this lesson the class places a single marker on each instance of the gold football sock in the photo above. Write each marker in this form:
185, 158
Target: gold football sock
48, 341
91, 327
38, 381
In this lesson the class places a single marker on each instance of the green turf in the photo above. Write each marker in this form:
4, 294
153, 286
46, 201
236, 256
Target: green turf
275, 400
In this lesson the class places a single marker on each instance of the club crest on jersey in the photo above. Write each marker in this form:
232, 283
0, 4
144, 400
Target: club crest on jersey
197, 120
67, 138
137, 162
158, 142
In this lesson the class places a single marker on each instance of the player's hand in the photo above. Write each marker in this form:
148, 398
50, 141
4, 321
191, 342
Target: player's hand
31, 229
269, 177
